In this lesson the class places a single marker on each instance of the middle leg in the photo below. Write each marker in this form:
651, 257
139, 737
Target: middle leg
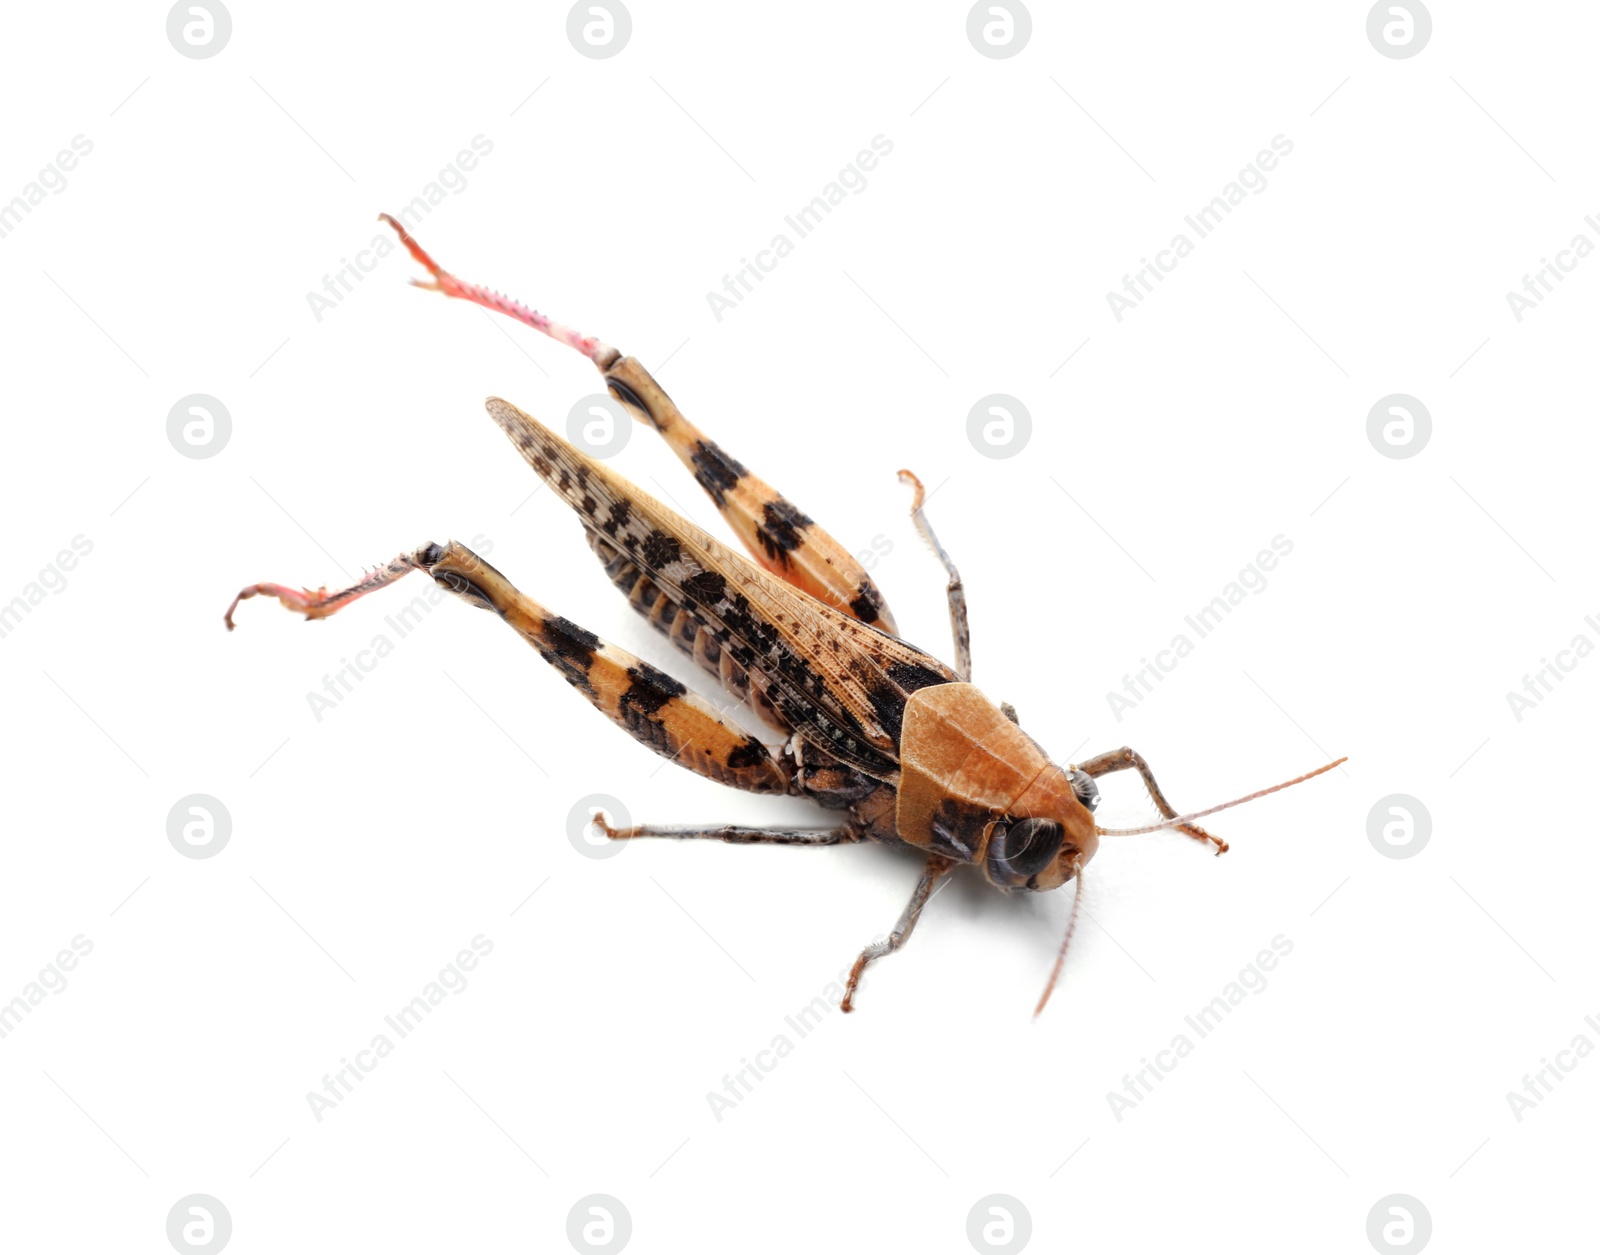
933, 871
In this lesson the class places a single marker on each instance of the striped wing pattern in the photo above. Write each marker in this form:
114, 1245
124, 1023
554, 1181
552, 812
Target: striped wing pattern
842, 684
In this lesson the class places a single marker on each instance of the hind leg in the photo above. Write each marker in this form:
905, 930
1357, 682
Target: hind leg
648, 704
778, 535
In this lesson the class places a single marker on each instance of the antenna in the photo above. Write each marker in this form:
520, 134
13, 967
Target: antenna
1176, 820
1061, 954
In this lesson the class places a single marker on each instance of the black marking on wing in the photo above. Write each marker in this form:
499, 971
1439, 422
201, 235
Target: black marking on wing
617, 517
705, 586
659, 550
911, 676
848, 701
684, 625
888, 689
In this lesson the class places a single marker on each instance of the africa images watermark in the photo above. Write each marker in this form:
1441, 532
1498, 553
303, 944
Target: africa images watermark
51, 980
404, 621
1541, 283
1539, 685
52, 179
51, 579
1252, 580
1252, 979
1250, 181
739, 1085
852, 180
1538, 1086
452, 179
339, 1084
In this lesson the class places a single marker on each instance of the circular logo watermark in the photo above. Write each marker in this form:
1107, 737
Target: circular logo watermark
586, 835
599, 1225
1399, 28
1399, 826
599, 425
1399, 426
999, 426
199, 826
1399, 1223
199, 425
199, 1225
199, 28
999, 1223
599, 28
999, 28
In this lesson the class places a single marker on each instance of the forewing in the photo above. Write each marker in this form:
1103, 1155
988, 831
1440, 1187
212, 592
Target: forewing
842, 684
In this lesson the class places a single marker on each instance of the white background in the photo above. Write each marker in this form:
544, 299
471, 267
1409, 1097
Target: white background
369, 847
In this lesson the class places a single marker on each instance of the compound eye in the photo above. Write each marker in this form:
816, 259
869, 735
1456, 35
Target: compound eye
1087, 790
1023, 850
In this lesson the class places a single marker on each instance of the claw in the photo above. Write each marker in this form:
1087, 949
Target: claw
322, 603
602, 355
307, 602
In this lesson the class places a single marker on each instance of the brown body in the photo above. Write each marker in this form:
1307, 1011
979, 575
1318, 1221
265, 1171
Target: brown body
898, 741
965, 768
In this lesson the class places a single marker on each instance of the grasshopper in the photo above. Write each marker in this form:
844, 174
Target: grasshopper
904, 746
